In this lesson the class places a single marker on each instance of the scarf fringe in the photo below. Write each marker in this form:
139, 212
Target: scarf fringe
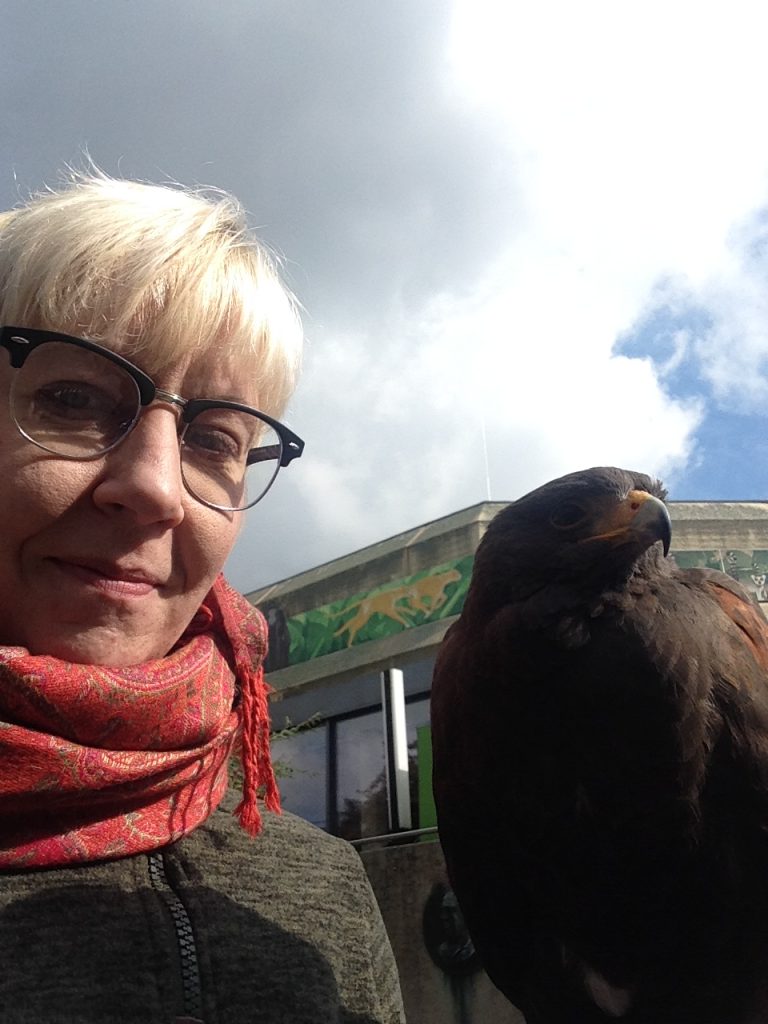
258, 774
257, 765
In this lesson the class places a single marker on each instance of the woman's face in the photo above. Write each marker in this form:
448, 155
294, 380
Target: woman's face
106, 561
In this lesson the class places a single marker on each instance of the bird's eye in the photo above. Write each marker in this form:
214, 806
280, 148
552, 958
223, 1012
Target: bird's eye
567, 515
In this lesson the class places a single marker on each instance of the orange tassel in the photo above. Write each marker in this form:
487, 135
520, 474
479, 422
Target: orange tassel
258, 773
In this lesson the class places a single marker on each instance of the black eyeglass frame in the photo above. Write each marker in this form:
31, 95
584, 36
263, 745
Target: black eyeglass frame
20, 342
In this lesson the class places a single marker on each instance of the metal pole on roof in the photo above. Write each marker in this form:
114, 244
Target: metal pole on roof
485, 458
396, 750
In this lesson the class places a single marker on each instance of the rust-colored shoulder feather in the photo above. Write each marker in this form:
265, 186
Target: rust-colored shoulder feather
740, 609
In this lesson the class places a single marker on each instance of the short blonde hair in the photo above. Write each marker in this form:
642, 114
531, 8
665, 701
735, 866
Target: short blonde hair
159, 272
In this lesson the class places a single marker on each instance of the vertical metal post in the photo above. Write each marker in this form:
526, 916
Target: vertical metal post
396, 749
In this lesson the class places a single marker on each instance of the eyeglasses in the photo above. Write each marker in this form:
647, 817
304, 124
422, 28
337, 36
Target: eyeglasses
79, 400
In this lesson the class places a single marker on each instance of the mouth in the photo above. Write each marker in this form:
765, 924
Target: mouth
109, 579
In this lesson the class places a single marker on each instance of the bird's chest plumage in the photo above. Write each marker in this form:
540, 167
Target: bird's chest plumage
593, 746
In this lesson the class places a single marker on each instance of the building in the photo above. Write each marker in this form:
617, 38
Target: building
334, 629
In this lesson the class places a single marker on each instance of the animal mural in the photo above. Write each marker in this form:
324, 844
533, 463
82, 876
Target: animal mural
423, 597
401, 603
749, 568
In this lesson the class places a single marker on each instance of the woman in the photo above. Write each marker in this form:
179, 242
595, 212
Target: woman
148, 347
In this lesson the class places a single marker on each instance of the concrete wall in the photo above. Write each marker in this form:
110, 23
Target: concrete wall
405, 880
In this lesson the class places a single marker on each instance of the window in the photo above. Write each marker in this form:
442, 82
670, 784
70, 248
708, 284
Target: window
301, 766
360, 800
334, 774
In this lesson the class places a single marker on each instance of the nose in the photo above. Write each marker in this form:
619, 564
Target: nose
143, 474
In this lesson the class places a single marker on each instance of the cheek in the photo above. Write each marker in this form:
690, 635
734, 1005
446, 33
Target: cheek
36, 495
61, 484
40, 487
212, 536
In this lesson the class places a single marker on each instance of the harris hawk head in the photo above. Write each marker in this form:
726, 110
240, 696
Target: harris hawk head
574, 537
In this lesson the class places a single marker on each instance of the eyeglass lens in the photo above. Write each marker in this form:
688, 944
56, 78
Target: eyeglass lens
76, 403
229, 458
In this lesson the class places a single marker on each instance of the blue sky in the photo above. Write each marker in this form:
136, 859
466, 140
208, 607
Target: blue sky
728, 458
542, 225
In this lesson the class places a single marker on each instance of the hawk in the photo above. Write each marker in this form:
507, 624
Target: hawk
600, 732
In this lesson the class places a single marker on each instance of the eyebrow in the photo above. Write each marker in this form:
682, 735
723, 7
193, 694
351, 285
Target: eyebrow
229, 397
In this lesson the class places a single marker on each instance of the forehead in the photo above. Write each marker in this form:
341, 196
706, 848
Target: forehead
216, 369
209, 375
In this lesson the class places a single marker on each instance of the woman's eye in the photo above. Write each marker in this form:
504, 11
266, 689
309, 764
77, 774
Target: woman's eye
567, 515
212, 442
73, 400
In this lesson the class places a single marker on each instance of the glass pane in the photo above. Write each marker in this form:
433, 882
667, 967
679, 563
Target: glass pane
301, 768
419, 762
361, 798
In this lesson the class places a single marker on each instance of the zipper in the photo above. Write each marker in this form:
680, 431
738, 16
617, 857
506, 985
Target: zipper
185, 938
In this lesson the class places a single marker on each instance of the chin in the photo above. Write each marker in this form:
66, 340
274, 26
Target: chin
114, 652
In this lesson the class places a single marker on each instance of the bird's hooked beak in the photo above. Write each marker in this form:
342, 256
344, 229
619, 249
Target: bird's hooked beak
640, 516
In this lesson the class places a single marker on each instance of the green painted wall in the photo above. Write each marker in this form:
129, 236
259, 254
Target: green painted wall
439, 592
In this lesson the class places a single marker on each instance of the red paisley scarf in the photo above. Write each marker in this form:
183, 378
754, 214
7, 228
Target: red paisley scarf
102, 762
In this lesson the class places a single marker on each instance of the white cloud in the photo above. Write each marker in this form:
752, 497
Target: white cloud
629, 147
397, 423
731, 350
630, 143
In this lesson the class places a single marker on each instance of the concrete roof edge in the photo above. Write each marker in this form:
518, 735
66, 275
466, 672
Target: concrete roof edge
483, 512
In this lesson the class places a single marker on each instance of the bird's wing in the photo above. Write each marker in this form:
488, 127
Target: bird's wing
739, 608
